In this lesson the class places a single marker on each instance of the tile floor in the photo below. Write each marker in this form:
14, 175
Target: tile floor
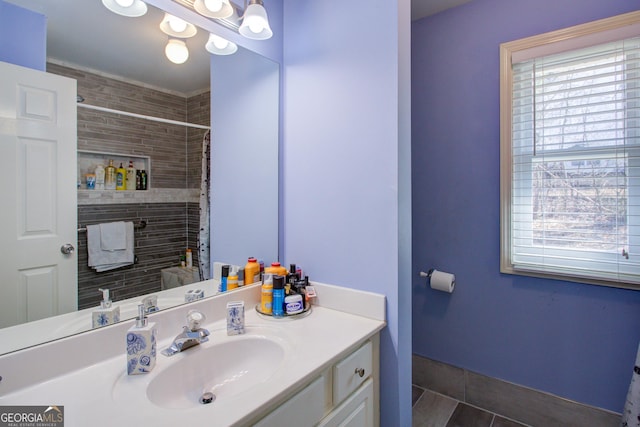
431, 409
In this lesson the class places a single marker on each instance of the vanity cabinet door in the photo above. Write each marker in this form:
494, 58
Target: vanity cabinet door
356, 411
305, 409
352, 371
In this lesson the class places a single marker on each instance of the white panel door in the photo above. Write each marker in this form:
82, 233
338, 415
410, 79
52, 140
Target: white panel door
39, 197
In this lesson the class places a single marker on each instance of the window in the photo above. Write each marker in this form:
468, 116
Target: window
570, 153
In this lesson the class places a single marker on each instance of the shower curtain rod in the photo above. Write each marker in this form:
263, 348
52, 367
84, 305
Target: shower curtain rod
142, 116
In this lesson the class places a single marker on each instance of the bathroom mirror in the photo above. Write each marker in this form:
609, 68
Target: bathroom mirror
244, 159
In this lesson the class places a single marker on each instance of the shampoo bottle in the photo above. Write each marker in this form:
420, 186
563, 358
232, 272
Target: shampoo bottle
189, 256
107, 314
121, 178
141, 345
110, 176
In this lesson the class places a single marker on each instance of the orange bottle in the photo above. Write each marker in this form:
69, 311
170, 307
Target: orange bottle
251, 271
276, 269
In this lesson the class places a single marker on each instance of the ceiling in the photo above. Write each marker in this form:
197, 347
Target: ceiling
87, 34
84, 33
422, 8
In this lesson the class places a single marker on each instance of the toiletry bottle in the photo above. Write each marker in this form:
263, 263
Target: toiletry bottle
277, 306
276, 268
99, 177
266, 296
138, 180
293, 304
292, 275
121, 178
107, 314
110, 176
189, 258
131, 176
241, 277
141, 345
224, 277
251, 271
232, 280
143, 179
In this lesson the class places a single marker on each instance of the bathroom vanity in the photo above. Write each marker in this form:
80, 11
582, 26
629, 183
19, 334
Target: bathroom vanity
317, 369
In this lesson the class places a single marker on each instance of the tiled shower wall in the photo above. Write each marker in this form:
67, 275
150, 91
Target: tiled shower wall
175, 153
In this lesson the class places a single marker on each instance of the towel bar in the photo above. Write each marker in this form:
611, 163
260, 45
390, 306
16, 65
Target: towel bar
136, 226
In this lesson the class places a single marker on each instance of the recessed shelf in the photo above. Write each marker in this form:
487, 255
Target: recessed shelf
88, 160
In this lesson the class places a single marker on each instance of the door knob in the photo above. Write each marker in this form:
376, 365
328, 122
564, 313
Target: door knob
67, 249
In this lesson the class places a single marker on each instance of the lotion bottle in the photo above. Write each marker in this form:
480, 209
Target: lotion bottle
107, 314
99, 177
131, 176
141, 345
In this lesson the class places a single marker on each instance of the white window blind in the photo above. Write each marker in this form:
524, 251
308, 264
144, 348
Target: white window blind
575, 164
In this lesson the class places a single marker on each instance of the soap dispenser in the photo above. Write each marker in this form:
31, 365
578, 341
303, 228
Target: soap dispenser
107, 314
141, 345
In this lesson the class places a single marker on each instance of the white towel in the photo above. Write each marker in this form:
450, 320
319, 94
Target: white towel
104, 260
113, 236
631, 413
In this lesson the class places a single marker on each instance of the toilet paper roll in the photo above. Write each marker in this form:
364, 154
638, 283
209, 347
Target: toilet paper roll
442, 281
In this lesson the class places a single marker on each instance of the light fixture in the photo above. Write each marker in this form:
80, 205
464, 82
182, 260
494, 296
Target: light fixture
218, 9
219, 46
255, 23
130, 8
177, 27
177, 51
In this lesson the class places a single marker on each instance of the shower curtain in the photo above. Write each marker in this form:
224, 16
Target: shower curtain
204, 234
631, 413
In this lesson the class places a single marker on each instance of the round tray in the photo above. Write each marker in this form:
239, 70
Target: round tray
303, 313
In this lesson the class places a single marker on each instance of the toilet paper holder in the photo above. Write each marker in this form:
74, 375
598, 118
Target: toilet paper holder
428, 273
440, 280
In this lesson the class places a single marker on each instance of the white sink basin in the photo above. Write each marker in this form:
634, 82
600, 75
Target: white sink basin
225, 369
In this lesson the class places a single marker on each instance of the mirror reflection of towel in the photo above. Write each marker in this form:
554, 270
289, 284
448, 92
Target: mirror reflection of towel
104, 260
113, 236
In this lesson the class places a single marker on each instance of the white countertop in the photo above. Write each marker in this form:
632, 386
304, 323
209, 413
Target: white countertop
72, 373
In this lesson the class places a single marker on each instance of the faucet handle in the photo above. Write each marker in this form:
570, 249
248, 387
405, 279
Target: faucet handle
195, 318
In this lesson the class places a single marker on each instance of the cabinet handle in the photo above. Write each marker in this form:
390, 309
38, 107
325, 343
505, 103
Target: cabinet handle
360, 372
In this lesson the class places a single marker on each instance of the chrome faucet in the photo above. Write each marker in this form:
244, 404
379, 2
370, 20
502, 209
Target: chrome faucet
191, 335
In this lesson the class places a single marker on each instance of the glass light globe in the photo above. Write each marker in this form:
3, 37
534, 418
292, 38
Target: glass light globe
220, 43
124, 3
213, 5
177, 51
178, 25
256, 25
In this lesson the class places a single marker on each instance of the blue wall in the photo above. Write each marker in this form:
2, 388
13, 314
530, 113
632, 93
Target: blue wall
23, 37
346, 201
575, 340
